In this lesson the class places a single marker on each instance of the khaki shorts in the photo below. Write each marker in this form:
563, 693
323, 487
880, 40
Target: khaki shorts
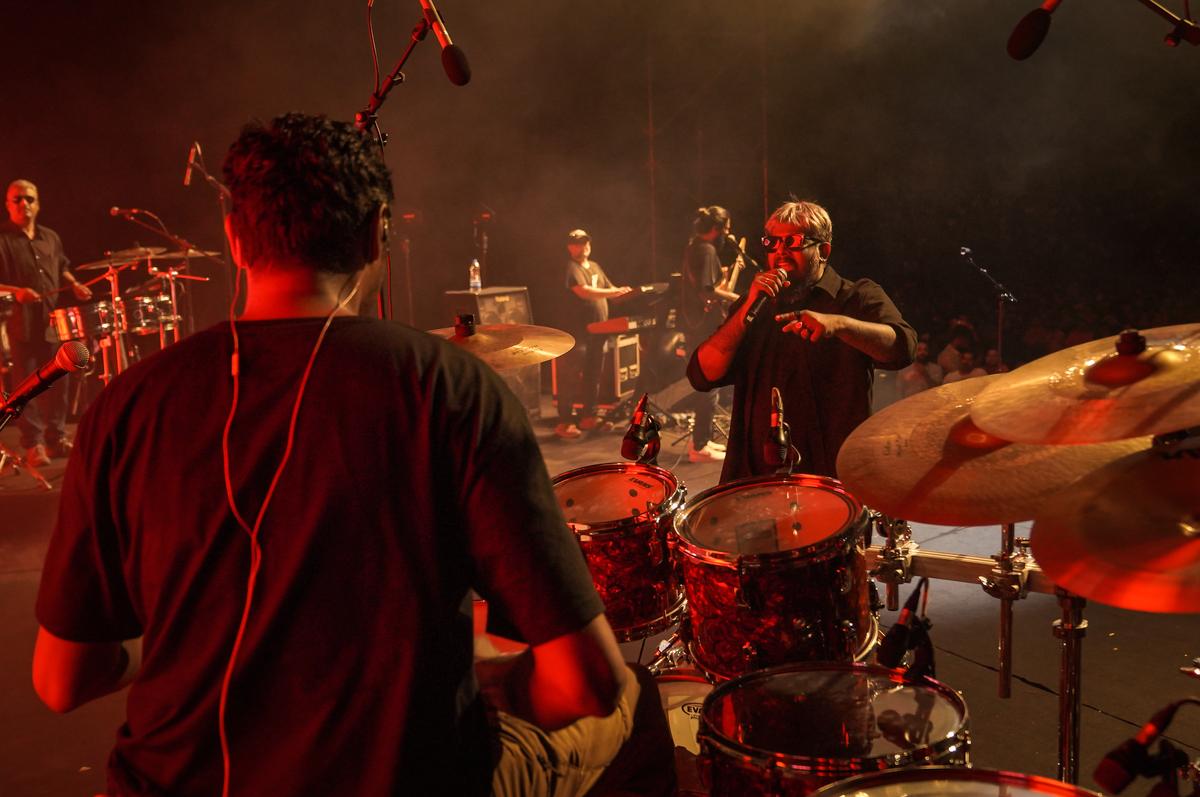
564, 762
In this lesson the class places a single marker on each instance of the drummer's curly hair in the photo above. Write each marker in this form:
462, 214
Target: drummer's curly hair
304, 188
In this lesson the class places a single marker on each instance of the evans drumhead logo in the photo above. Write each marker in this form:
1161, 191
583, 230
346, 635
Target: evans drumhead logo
692, 709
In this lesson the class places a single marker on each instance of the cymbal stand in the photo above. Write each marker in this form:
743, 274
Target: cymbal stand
1007, 582
9, 457
114, 357
1071, 629
170, 275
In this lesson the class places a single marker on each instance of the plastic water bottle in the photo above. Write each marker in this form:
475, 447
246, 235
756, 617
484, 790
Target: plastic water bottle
474, 282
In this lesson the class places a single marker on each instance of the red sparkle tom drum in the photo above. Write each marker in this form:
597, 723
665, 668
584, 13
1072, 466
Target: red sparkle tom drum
774, 572
621, 513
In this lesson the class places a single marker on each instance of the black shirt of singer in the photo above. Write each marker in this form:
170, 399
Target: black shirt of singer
415, 477
826, 386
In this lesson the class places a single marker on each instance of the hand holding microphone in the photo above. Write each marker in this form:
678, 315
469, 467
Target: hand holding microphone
765, 286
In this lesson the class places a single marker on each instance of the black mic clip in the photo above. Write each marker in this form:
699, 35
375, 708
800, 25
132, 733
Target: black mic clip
778, 451
641, 442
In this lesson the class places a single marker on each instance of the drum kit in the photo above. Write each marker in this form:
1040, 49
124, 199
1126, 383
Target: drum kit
151, 308
767, 579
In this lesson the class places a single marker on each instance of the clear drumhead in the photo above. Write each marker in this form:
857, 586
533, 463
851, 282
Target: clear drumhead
950, 782
833, 713
764, 517
604, 494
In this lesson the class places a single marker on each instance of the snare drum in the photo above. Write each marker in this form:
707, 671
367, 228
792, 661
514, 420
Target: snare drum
774, 572
85, 321
148, 314
790, 730
621, 513
951, 782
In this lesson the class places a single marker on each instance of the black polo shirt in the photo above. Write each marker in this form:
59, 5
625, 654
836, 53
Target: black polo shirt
826, 386
36, 263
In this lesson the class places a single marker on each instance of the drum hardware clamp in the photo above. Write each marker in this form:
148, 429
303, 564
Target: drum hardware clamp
976, 569
894, 565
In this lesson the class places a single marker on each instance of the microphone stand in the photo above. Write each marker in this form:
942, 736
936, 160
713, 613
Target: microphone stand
223, 196
369, 116
1002, 295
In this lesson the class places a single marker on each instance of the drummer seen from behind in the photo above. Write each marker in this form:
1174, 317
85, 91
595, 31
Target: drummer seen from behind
34, 269
818, 338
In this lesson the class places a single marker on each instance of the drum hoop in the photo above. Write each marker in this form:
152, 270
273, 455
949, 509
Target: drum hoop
859, 783
814, 552
669, 506
803, 764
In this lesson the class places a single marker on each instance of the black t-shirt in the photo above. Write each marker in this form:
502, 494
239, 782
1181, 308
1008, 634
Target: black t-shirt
36, 263
826, 386
414, 477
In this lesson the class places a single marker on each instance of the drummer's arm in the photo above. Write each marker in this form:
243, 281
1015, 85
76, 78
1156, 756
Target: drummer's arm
21, 293
557, 682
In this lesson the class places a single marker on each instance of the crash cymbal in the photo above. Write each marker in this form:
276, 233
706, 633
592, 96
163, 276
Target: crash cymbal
122, 257
505, 346
1089, 393
1128, 535
923, 459
184, 254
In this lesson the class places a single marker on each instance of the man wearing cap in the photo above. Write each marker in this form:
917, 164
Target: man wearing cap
32, 268
590, 289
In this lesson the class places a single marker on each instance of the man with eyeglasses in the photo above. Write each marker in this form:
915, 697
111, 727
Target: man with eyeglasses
33, 266
818, 338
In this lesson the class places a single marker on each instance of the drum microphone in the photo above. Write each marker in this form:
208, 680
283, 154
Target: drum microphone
71, 356
1132, 757
454, 60
642, 431
895, 642
777, 449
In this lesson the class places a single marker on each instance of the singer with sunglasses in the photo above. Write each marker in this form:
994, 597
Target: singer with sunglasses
812, 333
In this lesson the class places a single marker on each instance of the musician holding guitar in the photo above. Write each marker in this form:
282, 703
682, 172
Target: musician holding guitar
711, 265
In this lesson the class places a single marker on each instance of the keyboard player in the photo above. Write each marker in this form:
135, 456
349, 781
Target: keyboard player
589, 290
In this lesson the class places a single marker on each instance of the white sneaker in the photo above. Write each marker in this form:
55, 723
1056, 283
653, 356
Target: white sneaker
713, 444
706, 454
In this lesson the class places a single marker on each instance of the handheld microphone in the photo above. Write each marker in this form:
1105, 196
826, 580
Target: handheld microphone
192, 153
1132, 757
1031, 31
635, 440
71, 356
895, 642
454, 60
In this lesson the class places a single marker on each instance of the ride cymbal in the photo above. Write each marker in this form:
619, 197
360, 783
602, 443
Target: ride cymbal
923, 459
1128, 535
504, 346
1089, 393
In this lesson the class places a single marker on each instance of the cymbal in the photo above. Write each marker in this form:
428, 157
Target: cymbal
122, 256
923, 459
184, 254
505, 346
1089, 393
1128, 535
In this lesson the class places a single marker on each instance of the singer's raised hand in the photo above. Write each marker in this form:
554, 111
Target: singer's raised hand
769, 283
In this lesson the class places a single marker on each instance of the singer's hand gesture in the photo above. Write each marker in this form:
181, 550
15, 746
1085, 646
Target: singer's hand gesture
769, 283
811, 326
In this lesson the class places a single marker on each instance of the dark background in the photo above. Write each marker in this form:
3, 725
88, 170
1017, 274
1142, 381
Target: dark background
1071, 175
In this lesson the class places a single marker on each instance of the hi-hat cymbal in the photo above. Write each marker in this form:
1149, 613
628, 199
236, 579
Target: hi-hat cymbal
1089, 393
505, 346
923, 459
1128, 535
122, 257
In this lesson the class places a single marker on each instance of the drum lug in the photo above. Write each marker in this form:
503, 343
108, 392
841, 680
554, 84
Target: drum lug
748, 595
752, 656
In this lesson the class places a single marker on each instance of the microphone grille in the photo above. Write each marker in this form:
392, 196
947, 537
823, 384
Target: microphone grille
72, 356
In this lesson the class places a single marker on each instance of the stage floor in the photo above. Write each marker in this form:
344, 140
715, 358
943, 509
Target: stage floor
1131, 660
